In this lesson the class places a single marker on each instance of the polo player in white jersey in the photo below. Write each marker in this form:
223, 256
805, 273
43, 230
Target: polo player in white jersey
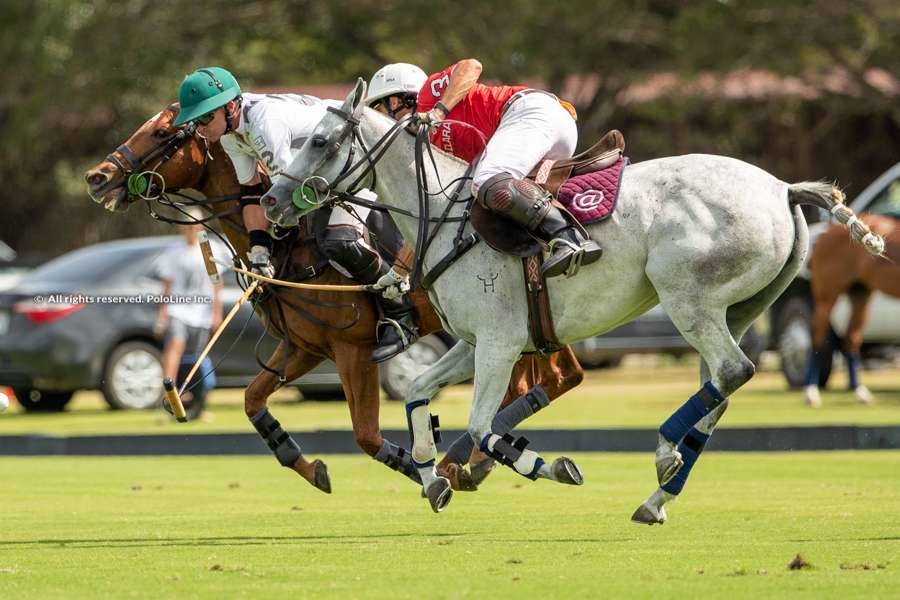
271, 128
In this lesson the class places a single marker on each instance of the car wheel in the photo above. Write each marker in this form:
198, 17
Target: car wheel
795, 340
42, 401
398, 373
133, 376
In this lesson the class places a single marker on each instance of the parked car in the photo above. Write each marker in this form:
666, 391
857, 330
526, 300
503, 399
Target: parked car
651, 333
54, 340
791, 315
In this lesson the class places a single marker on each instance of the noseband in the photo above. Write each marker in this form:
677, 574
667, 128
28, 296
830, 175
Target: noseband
138, 175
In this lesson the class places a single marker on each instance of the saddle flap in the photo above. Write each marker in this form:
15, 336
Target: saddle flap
503, 235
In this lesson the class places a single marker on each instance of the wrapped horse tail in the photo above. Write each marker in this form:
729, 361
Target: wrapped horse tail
829, 197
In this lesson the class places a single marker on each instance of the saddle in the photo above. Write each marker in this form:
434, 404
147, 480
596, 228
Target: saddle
510, 238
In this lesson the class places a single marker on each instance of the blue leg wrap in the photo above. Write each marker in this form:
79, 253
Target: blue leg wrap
690, 447
812, 369
853, 359
690, 413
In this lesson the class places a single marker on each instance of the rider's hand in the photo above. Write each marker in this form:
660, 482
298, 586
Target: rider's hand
432, 117
260, 261
392, 285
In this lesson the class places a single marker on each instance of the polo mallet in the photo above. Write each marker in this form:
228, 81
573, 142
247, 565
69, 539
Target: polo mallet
173, 396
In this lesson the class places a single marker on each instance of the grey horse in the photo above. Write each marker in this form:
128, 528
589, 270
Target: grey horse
712, 239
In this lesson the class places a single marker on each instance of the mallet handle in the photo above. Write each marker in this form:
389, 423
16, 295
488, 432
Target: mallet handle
174, 401
206, 250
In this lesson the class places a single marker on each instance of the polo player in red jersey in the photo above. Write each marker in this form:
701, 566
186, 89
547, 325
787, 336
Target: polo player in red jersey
522, 126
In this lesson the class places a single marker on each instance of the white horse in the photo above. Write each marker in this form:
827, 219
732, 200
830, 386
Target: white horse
713, 239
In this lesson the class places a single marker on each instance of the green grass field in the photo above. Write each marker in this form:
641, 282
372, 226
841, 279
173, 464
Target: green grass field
244, 527
624, 397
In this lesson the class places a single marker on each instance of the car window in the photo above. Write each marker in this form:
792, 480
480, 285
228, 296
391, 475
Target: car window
89, 265
888, 201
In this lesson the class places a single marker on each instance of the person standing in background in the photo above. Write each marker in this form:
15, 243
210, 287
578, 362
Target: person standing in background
186, 322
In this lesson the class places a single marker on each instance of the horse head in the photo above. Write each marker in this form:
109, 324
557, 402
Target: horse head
158, 156
321, 165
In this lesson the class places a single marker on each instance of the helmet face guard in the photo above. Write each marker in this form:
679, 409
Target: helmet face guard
204, 91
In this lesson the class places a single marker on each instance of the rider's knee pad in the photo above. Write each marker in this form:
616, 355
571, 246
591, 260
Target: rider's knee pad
346, 248
521, 200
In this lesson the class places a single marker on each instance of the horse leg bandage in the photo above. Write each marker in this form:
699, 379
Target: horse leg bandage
690, 413
398, 459
424, 433
279, 441
513, 453
690, 448
505, 421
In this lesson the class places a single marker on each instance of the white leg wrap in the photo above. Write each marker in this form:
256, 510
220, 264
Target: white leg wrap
423, 448
526, 462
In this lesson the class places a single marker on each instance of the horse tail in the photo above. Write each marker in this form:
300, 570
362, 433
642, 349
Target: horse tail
831, 198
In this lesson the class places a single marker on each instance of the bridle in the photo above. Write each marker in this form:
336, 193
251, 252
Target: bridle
366, 165
139, 171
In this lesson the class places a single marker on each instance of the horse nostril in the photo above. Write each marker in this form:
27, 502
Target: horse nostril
269, 201
96, 179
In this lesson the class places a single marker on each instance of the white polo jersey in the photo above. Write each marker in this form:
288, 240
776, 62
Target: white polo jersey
273, 128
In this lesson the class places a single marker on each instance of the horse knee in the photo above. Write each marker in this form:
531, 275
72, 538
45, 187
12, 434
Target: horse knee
732, 374
369, 440
253, 402
570, 380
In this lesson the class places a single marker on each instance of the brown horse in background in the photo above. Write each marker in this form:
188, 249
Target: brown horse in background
836, 269
320, 324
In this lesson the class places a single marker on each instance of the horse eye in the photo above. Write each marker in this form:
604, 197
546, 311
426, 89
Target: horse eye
319, 141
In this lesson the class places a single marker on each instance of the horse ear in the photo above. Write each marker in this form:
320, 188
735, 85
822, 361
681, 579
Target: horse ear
353, 104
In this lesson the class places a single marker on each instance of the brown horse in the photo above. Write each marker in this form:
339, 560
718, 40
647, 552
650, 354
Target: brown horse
335, 325
837, 268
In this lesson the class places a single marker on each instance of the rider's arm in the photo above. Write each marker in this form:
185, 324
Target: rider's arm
254, 215
463, 76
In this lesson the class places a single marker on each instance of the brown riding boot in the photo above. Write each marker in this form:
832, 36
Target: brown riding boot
528, 204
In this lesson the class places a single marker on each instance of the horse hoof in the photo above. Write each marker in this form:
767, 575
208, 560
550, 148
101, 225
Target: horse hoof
439, 494
667, 466
566, 471
460, 479
480, 470
647, 514
321, 479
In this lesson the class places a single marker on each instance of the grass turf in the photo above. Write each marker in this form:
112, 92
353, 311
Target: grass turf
244, 527
624, 397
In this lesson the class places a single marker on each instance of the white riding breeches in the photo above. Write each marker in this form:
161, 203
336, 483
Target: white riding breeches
533, 128
354, 216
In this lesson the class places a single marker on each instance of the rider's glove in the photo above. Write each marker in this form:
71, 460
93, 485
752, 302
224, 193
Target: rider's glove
392, 285
260, 261
432, 117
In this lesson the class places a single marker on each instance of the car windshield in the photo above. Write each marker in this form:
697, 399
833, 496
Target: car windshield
90, 265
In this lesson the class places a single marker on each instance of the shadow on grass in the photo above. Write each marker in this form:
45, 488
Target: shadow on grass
272, 540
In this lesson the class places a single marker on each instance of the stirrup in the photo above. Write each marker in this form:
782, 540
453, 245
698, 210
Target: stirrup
574, 259
401, 330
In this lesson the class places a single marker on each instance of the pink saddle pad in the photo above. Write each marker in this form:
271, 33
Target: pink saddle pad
592, 197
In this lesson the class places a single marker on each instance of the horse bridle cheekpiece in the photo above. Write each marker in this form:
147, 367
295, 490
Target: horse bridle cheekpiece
138, 175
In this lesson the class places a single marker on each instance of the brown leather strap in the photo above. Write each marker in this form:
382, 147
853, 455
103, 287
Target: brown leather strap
540, 320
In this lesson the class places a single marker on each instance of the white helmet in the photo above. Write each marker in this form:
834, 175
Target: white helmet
397, 78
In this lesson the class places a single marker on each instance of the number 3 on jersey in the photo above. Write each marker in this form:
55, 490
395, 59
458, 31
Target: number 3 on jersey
438, 85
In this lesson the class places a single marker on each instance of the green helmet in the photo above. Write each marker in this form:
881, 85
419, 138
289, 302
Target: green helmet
204, 91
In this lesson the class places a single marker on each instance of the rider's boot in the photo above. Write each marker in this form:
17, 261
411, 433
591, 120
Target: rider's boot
528, 204
396, 329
